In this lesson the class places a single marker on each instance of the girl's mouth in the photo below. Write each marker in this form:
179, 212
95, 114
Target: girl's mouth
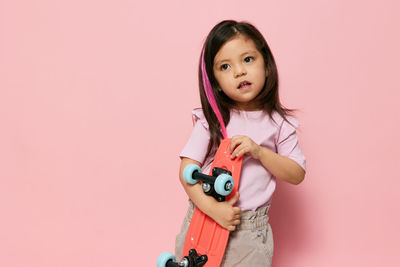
244, 85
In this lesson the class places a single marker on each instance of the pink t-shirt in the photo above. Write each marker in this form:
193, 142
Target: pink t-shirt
257, 184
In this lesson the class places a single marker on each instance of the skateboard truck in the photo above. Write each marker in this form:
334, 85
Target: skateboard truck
166, 259
219, 185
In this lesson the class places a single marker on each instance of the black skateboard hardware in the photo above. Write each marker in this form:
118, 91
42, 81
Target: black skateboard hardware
209, 181
193, 260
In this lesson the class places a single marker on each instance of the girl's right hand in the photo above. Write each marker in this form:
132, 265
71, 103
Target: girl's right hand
226, 214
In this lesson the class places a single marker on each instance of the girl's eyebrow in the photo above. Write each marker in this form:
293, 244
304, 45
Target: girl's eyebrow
247, 52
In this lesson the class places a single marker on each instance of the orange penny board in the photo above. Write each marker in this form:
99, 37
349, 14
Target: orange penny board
204, 234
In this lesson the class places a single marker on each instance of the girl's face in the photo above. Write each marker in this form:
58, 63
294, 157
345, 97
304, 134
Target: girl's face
240, 71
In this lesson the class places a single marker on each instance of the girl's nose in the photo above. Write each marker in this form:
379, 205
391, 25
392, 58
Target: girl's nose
240, 70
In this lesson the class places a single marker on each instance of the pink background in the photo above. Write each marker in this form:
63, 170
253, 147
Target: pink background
95, 102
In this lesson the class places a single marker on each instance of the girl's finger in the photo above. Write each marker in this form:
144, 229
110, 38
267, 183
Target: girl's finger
232, 145
235, 141
237, 211
241, 150
235, 151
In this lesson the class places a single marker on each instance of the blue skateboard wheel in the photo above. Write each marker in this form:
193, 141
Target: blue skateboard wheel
164, 258
221, 182
188, 173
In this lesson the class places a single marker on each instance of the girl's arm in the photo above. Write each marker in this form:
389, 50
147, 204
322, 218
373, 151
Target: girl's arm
224, 213
281, 167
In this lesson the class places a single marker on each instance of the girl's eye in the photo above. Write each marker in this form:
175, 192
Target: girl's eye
249, 59
224, 66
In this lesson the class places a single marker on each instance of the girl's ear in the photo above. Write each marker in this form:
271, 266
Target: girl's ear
266, 72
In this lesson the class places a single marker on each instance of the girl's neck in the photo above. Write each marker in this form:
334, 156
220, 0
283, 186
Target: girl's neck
247, 107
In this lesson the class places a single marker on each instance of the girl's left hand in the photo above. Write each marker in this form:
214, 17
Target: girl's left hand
241, 145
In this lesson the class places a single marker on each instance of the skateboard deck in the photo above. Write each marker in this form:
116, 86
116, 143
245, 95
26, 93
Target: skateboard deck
204, 234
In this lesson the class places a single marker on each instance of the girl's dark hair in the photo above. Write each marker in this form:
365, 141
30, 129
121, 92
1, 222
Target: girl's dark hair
268, 98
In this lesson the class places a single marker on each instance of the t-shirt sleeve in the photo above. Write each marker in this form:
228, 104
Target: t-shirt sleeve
287, 142
197, 145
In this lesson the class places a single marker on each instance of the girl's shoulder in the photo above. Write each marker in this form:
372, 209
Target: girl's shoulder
281, 122
198, 116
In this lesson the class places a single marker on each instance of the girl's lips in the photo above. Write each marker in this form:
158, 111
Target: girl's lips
244, 85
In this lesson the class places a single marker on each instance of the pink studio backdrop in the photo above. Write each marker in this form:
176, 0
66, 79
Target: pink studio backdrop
95, 102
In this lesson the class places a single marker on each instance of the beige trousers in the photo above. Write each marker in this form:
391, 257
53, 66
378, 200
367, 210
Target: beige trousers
251, 244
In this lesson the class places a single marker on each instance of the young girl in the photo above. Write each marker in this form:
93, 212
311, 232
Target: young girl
238, 82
